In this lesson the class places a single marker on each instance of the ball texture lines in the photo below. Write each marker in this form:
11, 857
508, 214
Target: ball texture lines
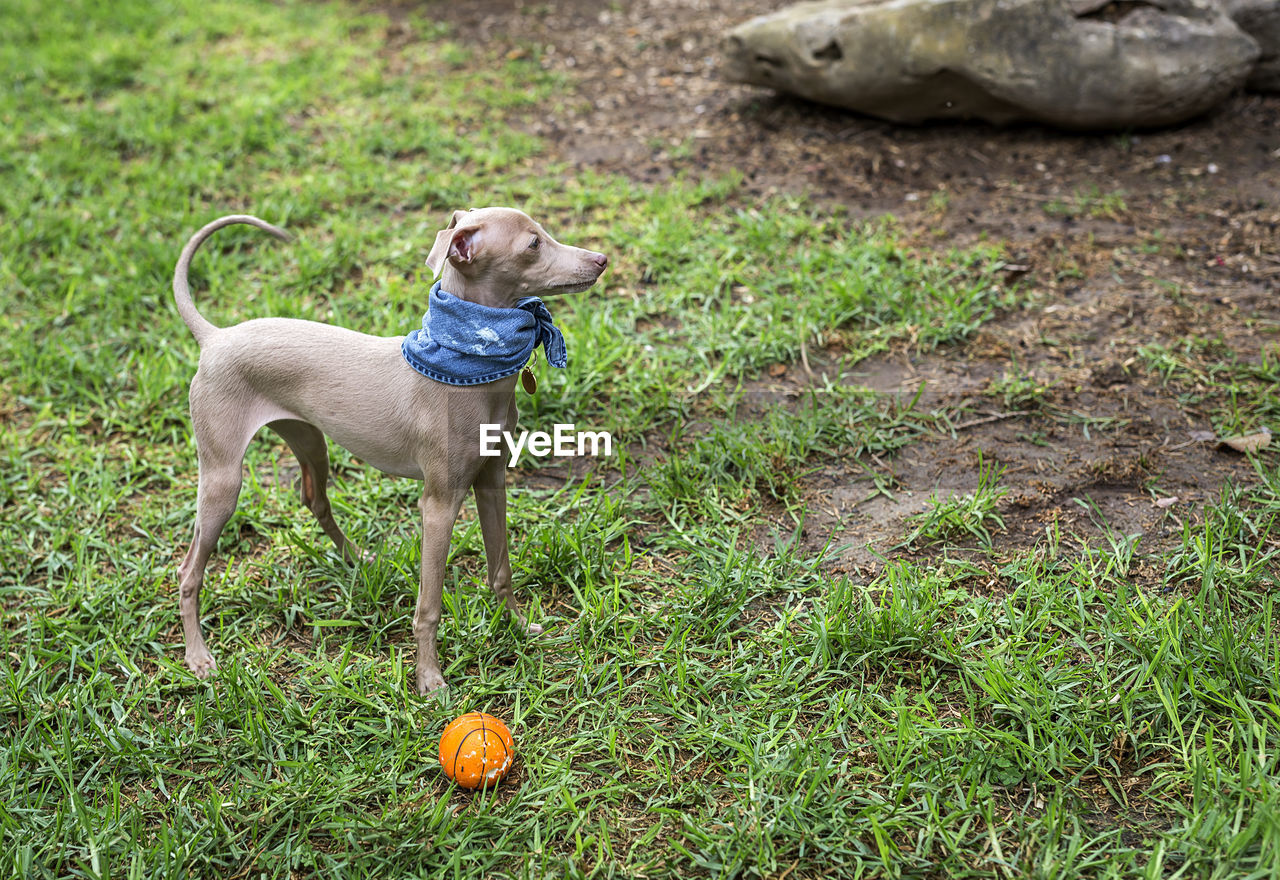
476, 750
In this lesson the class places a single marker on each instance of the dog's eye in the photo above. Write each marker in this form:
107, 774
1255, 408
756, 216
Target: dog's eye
533, 245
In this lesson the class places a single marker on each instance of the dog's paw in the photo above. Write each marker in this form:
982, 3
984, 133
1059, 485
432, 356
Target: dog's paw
522, 623
201, 664
432, 684
353, 555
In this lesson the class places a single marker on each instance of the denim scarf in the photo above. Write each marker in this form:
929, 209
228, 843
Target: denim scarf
462, 343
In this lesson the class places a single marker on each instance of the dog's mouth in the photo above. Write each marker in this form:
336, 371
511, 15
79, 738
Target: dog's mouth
572, 286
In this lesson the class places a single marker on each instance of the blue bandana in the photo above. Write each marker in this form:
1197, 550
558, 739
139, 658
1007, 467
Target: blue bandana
462, 343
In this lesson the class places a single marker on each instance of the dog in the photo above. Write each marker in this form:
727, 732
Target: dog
308, 381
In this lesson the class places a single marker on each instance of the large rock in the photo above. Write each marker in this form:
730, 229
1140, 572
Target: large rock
1260, 19
1081, 64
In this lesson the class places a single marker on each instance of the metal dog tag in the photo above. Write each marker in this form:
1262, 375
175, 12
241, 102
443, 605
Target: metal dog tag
528, 380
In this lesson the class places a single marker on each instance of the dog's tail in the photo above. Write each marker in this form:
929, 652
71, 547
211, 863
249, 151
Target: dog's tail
200, 326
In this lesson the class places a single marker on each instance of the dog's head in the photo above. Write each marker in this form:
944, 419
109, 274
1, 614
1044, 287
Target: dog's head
503, 251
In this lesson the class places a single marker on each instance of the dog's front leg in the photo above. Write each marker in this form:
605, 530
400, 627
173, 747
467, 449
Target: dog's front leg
491, 505
438, 513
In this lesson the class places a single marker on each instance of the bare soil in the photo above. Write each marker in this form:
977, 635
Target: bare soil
1124, 240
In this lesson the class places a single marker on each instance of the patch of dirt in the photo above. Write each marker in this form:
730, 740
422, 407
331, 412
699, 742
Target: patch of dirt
1125, 240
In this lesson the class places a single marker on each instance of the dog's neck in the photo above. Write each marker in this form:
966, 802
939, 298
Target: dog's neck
475, 290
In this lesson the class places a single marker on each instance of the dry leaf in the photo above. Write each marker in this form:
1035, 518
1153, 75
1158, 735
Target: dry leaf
1166, 503
1248, 442
1202, 436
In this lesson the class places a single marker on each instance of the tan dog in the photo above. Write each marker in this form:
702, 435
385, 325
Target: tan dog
306, 380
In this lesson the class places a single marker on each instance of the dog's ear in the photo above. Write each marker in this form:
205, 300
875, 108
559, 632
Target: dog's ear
444, 245
462, 247
435, 259
456, 245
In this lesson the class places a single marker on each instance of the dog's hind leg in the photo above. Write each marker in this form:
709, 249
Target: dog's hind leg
221, 462
491, 506
309, 447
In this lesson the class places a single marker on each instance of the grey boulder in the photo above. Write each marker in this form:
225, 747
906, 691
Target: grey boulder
1078, 64
1260, 19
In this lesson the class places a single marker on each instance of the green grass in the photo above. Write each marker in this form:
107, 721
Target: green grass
705, 701
969, 514
1089, 203
1020, 391
1238, 393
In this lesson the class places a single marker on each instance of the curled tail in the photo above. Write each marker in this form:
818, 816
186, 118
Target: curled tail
201, 327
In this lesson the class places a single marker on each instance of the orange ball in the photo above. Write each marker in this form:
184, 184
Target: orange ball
476, 750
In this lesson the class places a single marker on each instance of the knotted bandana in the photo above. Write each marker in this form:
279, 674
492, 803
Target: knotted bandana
462, 343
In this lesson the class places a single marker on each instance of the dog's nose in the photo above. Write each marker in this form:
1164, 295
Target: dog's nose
600, 260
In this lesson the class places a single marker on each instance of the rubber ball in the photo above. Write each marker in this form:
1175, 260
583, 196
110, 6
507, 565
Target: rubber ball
476, 750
